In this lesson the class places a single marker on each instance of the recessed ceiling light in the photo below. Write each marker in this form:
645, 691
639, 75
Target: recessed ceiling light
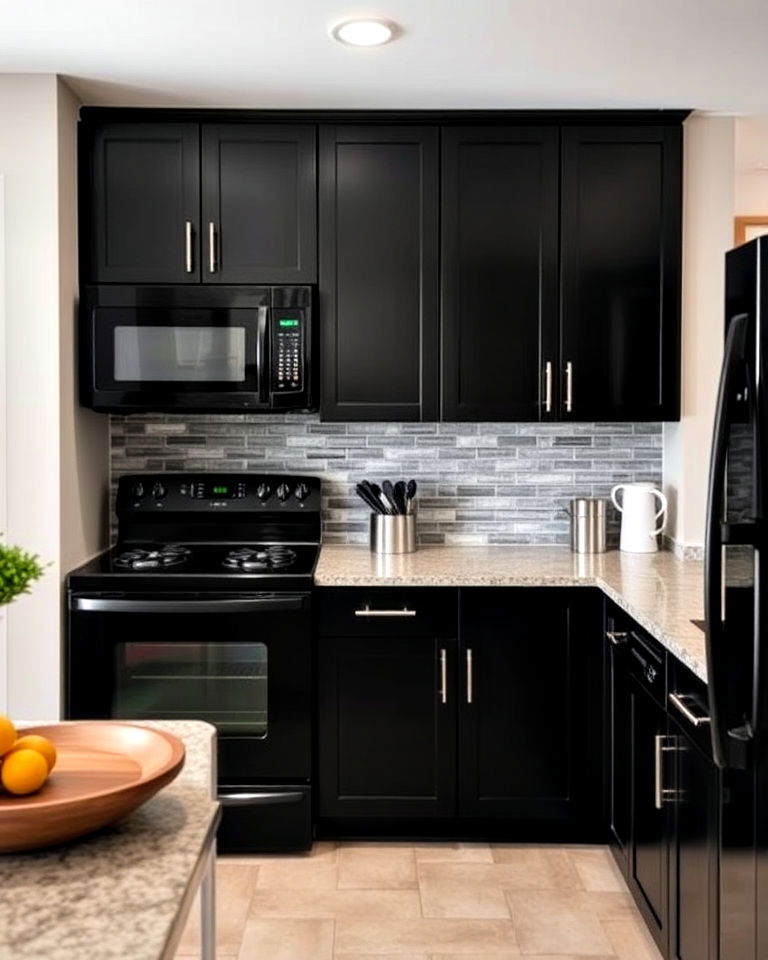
364, 32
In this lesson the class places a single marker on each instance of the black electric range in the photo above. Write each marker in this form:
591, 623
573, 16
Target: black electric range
202, 611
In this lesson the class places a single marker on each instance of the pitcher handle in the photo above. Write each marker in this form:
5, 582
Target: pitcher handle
662, 512
619, 486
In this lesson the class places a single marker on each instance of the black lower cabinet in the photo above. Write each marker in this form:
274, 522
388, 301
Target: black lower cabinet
476, 725
529, 708
664, 791
693, 851
648, 862
387, 736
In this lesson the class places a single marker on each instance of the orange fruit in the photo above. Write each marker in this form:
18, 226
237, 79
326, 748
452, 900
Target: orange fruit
33, 741
23, 771
7, 734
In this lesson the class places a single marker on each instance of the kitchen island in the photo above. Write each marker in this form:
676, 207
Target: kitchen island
123, 893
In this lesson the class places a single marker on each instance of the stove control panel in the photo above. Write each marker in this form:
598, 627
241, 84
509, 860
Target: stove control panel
139, 494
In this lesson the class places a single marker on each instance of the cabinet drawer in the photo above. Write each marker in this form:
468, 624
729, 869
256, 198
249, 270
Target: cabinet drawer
688, 704
381, 611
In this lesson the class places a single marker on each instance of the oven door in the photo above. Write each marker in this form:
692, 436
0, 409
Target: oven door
166, 357
239, 662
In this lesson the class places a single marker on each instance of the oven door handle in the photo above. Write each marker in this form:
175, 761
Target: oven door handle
259, 799
252, 605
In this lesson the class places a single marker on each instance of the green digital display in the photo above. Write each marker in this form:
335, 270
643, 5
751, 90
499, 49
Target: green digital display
288, 323
221, 491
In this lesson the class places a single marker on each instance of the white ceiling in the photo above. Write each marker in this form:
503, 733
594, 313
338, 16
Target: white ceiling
707, 54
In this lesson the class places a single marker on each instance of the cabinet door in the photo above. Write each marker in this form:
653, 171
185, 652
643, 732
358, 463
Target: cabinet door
259, 201
648, 878
693, 852
499, 273
618, 739
379, 272
145, 204
620, 273
529, 708
387, 727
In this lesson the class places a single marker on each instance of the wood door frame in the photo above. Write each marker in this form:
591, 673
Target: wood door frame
740, 225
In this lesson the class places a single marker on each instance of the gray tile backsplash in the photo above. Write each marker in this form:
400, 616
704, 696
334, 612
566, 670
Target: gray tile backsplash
479, 483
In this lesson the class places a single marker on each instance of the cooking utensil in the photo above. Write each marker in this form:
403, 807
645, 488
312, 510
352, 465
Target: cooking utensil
103, 771
410, 493
368, 498
376, 490
389, 492
400, 497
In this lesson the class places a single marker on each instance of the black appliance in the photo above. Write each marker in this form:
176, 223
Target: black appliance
178, 348
202, 611
736, 606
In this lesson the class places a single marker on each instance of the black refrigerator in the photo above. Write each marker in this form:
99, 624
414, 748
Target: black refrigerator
736, 606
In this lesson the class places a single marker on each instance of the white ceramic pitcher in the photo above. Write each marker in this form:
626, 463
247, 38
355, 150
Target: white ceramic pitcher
639, 516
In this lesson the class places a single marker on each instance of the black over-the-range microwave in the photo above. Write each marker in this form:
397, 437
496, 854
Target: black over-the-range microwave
205, 349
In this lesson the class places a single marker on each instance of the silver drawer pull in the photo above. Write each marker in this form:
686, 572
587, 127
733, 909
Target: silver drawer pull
617, 637
678, 701
443, 675
569, 387
661, 795
188, 246
469, 676
212, 247
367, 612
548, 387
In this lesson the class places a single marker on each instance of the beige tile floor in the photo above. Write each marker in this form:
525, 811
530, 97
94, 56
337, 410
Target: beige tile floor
381, 901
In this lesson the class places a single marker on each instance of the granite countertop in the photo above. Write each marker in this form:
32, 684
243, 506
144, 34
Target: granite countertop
663, 594
125, 891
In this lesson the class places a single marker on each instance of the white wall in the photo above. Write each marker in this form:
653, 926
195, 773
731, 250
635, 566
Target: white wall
751, 196
47, 458
708, 210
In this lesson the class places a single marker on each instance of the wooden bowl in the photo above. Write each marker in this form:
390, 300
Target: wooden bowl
104, 770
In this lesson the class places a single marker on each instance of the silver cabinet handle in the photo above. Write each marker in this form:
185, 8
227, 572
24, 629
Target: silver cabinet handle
659, 793
367, 612
678, 700
617, 637
212, 247
469, 676
443, 675
188, 246
569, 387
548, 387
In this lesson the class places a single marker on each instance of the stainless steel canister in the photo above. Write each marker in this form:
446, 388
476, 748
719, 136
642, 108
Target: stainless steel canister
588, 524
393, 534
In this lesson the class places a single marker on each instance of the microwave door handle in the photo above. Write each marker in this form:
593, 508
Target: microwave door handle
263, 360
735, 351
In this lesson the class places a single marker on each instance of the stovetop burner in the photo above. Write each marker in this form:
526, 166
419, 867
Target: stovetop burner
167, 555
250, 559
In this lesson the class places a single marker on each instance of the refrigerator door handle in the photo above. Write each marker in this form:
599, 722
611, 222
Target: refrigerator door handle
735, 352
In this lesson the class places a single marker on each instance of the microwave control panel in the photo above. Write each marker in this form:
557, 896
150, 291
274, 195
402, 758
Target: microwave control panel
288, 351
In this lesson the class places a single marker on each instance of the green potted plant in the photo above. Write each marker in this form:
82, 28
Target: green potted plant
18, 571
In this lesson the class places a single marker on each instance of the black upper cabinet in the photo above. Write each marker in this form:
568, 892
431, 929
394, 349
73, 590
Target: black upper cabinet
145, 207
499, 272
258, 203
250, 217
530, 708
379, 272
620, 273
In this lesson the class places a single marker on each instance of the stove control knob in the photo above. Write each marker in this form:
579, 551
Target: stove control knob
283, 491
301, 492
263, 491
159, 491
138, 490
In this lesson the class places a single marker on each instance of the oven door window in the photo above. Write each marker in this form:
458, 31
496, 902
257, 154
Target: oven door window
222, 683
171, 351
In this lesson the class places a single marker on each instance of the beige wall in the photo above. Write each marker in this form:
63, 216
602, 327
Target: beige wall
708, 210
751, 195
53, 464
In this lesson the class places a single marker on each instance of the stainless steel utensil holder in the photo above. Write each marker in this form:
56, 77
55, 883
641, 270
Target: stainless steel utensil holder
393, 534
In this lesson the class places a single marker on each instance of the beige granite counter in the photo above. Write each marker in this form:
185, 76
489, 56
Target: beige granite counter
122, 893
660, 592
